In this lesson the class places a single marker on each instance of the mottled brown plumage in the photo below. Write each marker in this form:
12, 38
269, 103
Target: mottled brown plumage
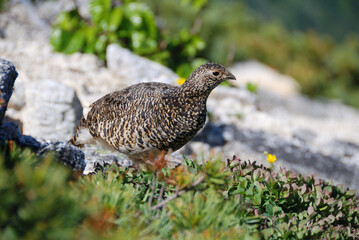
146, 118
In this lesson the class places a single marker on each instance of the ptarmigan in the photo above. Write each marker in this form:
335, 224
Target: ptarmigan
146, 118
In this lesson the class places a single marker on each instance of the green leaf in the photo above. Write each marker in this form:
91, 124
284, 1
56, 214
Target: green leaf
76, 43
285, 194
91, 35
68, 21
252, 220
257, 199
150, 23
311, 211
100, 45
253, 88
56, 39
137, 39
115, 19
216, 181
316, 229
277, 209
100, 9
269, 209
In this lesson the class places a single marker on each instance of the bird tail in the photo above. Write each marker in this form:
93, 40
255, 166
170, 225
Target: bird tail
82, 124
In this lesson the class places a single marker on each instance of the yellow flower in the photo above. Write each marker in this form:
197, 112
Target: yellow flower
271, 158
180, 81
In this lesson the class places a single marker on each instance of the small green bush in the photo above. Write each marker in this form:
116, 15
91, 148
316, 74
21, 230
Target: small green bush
37, 201
41, 199
293, 206
130, 24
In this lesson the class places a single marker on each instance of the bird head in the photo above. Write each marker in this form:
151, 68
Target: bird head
208, 76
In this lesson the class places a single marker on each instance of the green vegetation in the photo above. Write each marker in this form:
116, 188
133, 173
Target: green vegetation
2, 4
182, 34
253, 88
335, 18
131, 25
41, 199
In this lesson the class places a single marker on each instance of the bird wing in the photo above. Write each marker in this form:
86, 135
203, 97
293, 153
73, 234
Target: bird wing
117, 120
107, 111
125, 119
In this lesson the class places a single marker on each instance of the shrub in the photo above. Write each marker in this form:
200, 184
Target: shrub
130, 24
37, 201
216, 200
293, 206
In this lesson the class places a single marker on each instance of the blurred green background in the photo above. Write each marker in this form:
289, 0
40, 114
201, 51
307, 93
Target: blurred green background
316, 42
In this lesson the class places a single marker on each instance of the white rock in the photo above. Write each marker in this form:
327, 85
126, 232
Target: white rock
36, 60
52, 110
135, 69
265, 78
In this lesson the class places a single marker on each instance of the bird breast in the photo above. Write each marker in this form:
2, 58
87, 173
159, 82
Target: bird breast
177, 122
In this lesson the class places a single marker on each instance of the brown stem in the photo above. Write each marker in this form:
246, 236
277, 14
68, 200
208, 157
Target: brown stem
178, 193
153, 189
160, 197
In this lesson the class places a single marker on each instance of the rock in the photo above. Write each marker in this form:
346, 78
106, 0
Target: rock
52, 110
65, 153
133, 69
211, 134
97, 158
304, 135
18, 97
265, 78
83, 72
229, 105
10, 131
8, 75
2, 34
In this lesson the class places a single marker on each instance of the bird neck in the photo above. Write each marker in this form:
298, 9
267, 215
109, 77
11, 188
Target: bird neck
194, 91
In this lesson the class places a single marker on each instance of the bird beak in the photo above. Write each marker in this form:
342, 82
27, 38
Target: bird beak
230, 76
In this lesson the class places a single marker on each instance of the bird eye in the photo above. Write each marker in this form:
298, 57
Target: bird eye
215, 73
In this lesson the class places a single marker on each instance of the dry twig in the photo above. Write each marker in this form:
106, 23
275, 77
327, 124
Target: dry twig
179, 193
153, 188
